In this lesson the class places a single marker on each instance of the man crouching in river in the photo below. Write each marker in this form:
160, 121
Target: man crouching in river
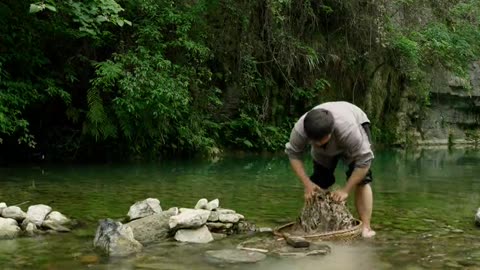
335, 130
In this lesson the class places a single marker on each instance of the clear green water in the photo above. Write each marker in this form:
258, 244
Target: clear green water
423, 210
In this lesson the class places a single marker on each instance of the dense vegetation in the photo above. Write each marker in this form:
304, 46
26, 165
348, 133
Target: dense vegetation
98, 78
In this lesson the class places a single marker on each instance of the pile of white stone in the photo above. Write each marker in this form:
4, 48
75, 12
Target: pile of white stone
38, 219
147, 223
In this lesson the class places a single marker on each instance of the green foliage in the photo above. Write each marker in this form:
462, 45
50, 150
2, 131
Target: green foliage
161, 76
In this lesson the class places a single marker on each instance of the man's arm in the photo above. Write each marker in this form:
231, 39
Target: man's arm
295, 149
362, 155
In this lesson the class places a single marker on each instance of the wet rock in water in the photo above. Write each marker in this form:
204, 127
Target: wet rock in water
189, 218
55, 218
14, 212
201, 204
214, 216
52, 225
201, 235
144, 208
213, 204
296, 241
9, 228
477, 217
152, 228
246, 227
31, 229
324, 215
2, 206
116, 239
37, 213
228, 218
218, 236
234, 256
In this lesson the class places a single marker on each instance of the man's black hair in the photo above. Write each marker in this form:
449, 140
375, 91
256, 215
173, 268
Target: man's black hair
318, 123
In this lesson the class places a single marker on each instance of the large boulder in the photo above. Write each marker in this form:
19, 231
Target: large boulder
189, 218
201, 235
116, 239
14, 212
152, 228
9, 228
144, 208
37, 213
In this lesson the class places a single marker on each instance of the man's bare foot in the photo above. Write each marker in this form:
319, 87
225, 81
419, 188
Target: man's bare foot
368, 233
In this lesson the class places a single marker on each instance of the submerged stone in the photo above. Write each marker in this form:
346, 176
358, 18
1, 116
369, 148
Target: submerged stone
234, 256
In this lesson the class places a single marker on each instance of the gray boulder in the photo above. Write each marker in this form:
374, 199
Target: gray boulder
116, 239
189, 218
144, 208
201, 204
37, 213
9, 228
14, 212
152, 228
201, 235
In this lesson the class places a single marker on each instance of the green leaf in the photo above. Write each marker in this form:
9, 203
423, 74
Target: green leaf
51, 7
247, 143
34, 8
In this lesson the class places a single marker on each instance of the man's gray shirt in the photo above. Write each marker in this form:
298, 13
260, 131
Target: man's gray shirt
349, 140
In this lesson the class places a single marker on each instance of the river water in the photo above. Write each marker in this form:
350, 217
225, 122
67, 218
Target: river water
424, 204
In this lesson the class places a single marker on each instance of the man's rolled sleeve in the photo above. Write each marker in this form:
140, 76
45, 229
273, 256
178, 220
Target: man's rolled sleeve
295, 148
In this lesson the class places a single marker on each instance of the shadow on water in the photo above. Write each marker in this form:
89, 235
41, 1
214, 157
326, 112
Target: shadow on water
423, 210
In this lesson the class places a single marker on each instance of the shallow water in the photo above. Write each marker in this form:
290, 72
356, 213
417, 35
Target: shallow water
424, 203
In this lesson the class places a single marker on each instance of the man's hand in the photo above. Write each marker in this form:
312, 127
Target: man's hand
310, 190
339, 195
